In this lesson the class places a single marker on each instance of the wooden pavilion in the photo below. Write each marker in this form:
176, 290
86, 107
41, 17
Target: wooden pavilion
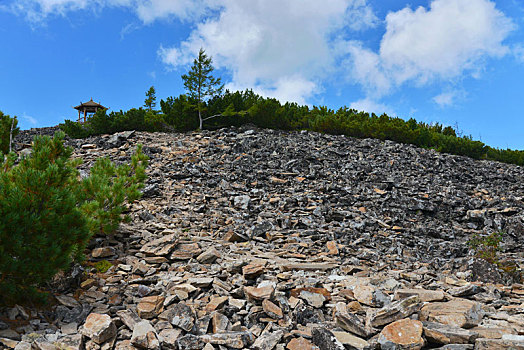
89, 107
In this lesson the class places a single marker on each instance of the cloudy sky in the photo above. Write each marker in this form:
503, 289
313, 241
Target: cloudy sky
456, 62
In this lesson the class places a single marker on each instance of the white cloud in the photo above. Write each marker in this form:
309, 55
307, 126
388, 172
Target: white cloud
30, 119
448, 98
371, 106
450, 39
272, 45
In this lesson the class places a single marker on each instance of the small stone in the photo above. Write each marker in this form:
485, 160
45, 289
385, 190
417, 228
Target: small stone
233, 237
128, 317
216, 303
185, 251
88, 283
209, 256
103, 252
99, 328
267, 340
69, 342
150, 307
423, 294
332, 248
301, 344
272, 310
370, 296
259, 293
350, 341
500, 344
182, 316
160, 246
403, 334
190, 342
201, 282
326, 340
395, 311
145, 336
219, 322
252, 271
168, 337
67, 301
465, 291
308, 266
235, 340
347, 321
444, 334
314, 299
69, 328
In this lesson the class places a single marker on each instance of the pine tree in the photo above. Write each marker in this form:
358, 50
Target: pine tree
200, 83
41, 227
150, 101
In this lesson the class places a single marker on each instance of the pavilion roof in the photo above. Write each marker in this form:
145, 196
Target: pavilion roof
89, 104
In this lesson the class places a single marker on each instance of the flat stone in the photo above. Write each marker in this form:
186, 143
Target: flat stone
395, 311
69, 328
216, 303
185, 251
260, 293
99, 328
8, 343
160, 246
168, 337
209, 256
499, 344
301, 344
492, 332
69, 342
200, 282
272, 310
267, 340
370, 295
145, 337
150, 307
458, 312
252, 271
235, 340
128, 317
308, 266
403, 334
232, 236
67, 300
325, 340
445, 334
351, 341
467, 290
348, 321
219, 322
423, 294
190, 342
181, 315
103, 252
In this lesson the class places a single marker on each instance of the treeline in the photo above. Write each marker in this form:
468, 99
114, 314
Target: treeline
242, 107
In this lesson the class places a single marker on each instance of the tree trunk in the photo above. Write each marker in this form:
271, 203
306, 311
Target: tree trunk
200, 118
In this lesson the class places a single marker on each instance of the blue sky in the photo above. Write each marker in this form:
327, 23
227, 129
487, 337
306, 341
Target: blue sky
456, 62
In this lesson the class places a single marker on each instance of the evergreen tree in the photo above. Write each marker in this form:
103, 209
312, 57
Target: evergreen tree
42, 228
199, 82
8, 130
150, 101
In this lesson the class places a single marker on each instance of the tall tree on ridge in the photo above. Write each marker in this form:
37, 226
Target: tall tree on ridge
199, 82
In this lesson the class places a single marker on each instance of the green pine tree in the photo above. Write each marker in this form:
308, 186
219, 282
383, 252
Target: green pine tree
150, 101
200, 83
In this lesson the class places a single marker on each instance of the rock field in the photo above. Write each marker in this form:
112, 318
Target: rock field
261, 239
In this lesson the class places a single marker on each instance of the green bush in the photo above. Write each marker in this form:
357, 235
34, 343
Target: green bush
42, 227
8, 130
49, 214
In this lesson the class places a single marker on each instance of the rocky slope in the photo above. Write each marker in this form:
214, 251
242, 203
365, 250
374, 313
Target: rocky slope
260, 239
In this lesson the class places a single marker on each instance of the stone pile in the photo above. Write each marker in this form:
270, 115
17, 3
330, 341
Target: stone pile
259, 239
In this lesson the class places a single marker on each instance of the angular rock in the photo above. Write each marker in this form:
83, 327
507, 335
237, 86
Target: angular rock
370, 296
181, 316
160, 246
272, 310
506, 343
267, 340
99, 328
301, 344
235, 340
423, 294
348, 321
395, 311
350, 341
145, 337
259, 293
444, 334
458, 312
129, 317
403, 334
252, 271
325, 340
150, 307
209, 256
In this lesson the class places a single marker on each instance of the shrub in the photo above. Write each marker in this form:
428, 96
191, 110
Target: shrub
42, 227
49, 214
486, 247
8, 130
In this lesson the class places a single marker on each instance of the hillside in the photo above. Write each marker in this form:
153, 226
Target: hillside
262, 239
